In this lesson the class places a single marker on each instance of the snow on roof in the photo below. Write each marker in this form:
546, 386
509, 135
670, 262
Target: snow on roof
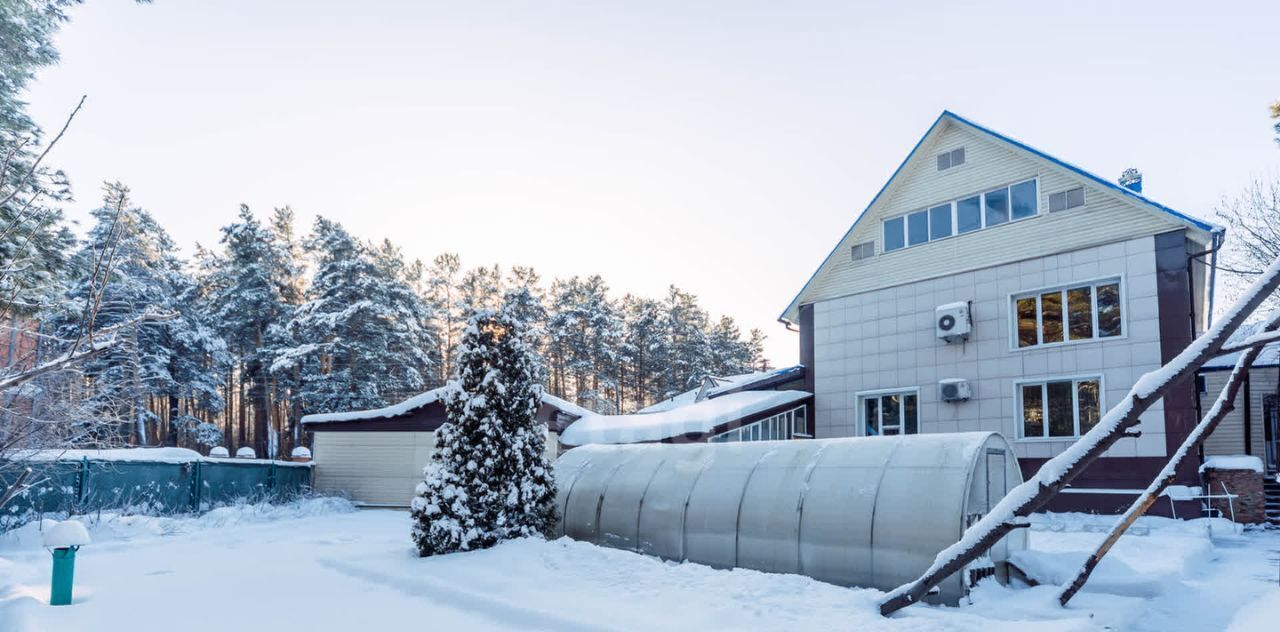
394, 410
148, 455
722, 385
420, 400
1237, 462
700, 417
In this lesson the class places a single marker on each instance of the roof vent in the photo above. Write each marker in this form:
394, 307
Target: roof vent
1131, 179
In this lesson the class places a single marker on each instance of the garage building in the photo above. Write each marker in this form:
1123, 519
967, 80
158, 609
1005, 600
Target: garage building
375, 457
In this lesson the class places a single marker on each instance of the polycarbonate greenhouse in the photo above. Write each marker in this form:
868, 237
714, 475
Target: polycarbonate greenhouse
870, 512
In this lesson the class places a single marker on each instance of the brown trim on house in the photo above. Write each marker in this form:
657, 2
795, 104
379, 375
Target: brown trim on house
806, 346
1248, 414
1127, 473
1176, 317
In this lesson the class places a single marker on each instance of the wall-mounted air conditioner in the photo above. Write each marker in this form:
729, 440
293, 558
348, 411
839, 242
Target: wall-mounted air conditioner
951, 321
954, 390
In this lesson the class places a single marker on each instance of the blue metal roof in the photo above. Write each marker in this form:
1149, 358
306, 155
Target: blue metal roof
948, 114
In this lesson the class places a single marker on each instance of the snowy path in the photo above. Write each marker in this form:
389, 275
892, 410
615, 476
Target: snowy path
355, 571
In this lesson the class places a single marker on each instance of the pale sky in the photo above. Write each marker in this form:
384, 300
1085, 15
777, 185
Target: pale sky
721, 146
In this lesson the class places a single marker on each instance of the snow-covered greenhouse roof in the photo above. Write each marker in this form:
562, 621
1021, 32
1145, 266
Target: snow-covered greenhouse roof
733, 383
418, 401
699, 417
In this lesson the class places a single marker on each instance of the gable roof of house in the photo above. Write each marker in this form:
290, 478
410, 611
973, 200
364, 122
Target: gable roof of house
949, 116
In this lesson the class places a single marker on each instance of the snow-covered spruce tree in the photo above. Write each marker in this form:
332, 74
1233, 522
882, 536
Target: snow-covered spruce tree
489, 479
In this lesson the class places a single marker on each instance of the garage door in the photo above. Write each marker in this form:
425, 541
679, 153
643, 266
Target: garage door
375, 468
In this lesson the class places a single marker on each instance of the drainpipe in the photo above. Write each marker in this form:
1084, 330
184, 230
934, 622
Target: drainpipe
1215, 244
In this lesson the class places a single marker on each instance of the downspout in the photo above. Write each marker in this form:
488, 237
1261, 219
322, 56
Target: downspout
1215, 244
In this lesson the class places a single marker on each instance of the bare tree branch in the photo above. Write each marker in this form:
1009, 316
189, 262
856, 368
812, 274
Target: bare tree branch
1059, 471
78, 355
36, 165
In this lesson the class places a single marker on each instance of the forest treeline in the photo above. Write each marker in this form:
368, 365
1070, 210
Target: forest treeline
269, 325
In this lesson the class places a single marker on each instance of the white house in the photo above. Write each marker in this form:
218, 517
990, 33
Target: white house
991, 286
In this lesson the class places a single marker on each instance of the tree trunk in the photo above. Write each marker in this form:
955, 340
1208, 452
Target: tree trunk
1032, 495
1221, 407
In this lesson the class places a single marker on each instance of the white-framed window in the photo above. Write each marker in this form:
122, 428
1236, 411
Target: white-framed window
889, 412
949, 159
1059, 407
785, 425
1071, 313
864, 250
1020, 200
1063, 200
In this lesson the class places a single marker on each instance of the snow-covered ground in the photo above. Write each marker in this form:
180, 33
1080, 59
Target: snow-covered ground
321, 566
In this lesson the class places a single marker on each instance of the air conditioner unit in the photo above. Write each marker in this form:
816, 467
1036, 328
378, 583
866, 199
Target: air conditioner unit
951, 321
954, 390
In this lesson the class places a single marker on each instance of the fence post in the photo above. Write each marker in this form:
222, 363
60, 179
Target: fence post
271, 481
82, 481
196, 487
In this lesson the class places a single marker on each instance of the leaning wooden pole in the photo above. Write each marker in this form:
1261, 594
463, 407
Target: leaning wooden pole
1223, 405
1025, 499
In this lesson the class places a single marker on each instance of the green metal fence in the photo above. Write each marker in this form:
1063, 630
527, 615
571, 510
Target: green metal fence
153, 487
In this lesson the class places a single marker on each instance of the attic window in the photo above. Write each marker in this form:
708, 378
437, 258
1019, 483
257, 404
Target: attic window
864, 250
1064, 200
953, 158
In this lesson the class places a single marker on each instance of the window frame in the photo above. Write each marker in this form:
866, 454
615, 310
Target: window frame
860, 413
782, 422
1066, 199
1043, 382
954, 203
1118, 279
950, 155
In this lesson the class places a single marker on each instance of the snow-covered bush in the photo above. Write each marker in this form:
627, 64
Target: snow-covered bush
488, 479
246, 452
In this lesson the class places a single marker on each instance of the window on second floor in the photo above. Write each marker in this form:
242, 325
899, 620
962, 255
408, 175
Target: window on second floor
1073, 313
957, 217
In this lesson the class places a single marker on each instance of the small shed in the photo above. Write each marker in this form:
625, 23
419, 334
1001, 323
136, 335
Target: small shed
870, 512
375, 457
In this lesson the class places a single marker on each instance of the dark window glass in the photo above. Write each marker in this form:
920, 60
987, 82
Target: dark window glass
1051, 317
997, 207
1090, 411
957, 157
940, 221
1032, 411
872, 415
944, 161
1023, 199
894, 237
1057, 202
1061, 409
801, 426
968, 215
917, 228
1027, 321
910, 421
1080, 313
1075, 197
1108, 310
889, 413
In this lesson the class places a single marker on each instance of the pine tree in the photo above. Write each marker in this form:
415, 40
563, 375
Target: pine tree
443, 290
729, 354
755, 346
252, 282
363, 338
489, 479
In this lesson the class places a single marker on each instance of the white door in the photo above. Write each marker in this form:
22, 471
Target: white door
372, 468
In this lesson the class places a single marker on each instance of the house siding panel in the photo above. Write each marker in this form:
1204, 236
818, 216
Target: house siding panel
1106, 218
898, 349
